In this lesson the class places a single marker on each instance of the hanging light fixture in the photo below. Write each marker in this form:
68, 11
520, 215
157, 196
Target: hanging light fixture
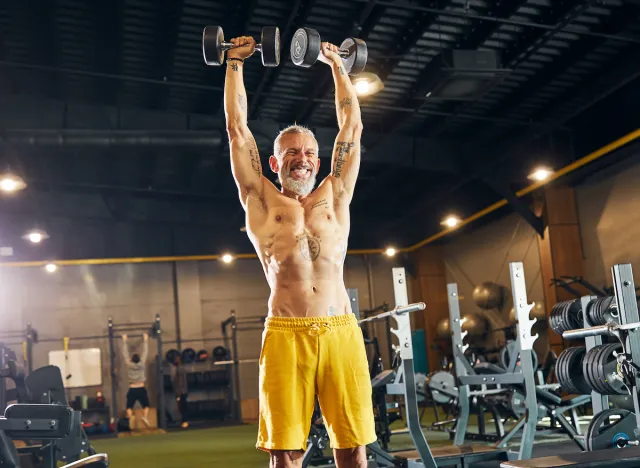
35, 236
11, 183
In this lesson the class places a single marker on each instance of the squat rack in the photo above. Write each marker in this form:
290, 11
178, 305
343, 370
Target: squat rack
237, 324
116, 330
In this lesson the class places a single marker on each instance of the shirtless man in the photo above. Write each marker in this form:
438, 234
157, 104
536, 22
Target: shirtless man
312, 344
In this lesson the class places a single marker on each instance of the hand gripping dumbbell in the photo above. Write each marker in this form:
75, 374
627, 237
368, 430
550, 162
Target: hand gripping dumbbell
306, 47
214, 47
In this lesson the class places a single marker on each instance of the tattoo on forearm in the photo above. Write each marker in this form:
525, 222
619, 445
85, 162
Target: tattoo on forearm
322, 203
346, 102
309, 247
256, 165
341, 70
242, 100
343, 148
234, 66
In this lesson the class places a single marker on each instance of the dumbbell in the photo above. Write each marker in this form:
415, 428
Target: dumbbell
214, 46
306, 46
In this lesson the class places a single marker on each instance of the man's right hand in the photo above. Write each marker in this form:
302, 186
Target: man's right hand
245, 47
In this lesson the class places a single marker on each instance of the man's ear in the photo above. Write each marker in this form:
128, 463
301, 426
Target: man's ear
273, 164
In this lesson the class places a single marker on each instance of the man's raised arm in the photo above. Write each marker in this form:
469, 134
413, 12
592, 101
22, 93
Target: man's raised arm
245, 160
345, 162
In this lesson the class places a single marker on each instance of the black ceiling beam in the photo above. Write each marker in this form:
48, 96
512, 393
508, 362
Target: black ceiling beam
516, 203
369, 17
465, 13
270, 76
527, 43
620, 18
608, 80
43, 40
108, 20
169, 19
474, 39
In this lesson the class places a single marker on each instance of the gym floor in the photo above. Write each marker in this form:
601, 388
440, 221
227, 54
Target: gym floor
235, 447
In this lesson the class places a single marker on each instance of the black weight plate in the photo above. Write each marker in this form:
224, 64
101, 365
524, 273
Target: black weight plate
563, 373
576, 374
212, 39
305, 47
355, 62
171, 355
599, 373
590, 369
188, 355
270, 41
603, 434
610, 363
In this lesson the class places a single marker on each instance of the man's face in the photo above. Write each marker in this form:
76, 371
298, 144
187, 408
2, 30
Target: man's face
298, 163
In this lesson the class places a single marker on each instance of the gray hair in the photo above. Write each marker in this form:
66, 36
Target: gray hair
291, 129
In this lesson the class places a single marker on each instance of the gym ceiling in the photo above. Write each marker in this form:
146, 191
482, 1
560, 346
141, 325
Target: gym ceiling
111, 116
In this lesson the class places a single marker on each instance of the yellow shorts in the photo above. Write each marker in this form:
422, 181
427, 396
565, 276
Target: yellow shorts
305, 357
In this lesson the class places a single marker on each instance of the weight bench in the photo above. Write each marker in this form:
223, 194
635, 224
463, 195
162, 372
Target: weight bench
38, 421
554, 405
619, 458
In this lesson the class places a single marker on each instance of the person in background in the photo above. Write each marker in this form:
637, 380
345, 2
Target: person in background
181, 389
136, 367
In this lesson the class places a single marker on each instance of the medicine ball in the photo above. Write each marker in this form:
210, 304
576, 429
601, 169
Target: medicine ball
489, 295
220, 353
189, 355
203, 355
171, 355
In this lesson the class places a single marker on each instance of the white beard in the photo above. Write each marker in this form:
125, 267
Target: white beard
299, 187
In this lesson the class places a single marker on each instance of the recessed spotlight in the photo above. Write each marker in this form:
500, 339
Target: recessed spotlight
10, 183
451, 221
540, 174
35, 236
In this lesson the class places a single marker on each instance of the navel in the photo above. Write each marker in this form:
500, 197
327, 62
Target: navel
278, 218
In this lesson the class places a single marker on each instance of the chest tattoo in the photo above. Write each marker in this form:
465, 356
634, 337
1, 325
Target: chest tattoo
309, 247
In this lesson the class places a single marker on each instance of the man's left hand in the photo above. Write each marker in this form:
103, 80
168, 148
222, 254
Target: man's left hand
329, 54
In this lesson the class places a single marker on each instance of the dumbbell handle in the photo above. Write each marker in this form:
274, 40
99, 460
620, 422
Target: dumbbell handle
230, 45
598, 330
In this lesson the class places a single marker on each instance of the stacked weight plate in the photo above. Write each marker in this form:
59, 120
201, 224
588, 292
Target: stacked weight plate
600, 369
602, 311
565, 316
570, 373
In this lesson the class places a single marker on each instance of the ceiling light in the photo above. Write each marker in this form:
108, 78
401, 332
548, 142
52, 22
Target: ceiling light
51, 267
35, 236
540, 174
11, 183
367, 84
390, 252
227, 258
451, 221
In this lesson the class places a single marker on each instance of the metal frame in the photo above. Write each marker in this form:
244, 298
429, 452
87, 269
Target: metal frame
112, 330
236, 323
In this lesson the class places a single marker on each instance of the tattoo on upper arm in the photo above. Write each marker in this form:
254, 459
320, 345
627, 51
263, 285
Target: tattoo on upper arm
256, 165
346, 102
342, 150
242, 100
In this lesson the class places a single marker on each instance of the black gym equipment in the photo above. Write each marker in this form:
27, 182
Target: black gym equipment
214, 46
570, 373
306, 47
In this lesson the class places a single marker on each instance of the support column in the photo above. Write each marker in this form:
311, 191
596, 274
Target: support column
188, 297
560, 249
431, 289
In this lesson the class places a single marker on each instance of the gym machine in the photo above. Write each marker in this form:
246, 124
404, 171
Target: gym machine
115, 330
616, 318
